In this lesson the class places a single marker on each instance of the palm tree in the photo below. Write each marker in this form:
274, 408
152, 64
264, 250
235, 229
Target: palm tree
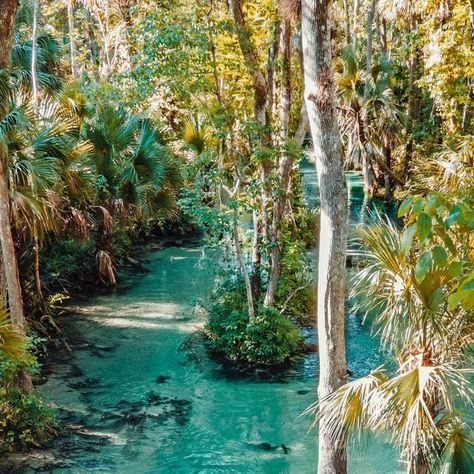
415, 289
372, 119
138, 174
451, 169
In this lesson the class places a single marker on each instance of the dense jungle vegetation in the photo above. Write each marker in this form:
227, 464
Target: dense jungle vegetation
124, 122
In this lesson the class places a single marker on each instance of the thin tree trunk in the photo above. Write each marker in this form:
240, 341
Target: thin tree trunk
256, 255
387, 153
244, 270
34, 86
284, 169
320, 101
36, 254
272, 56
34, 51
413, 103
72, 42
261, 111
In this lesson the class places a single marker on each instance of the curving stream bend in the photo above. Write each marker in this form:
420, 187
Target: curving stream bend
139, 395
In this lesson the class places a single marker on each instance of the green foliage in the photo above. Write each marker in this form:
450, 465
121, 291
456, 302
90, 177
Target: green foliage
270, 338
25, 421
296, 290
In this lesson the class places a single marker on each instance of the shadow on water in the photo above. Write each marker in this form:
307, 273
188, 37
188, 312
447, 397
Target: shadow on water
139, 393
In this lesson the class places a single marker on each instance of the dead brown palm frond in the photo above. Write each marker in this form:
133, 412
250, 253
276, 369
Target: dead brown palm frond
105, 220
79, 222
290, 10
105, 267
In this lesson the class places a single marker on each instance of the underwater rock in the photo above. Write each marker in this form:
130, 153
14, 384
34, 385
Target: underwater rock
304, 392
162, 379
269, 447
86, 383
156, 399
75, 371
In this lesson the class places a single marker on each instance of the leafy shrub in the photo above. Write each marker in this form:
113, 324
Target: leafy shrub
270, 338
25, 421
67, 262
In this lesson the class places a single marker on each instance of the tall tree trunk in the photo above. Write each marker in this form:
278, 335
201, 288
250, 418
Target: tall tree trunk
10, 264
34, 51
284, 168
34, 87
72, 41
320, 102
413, 101
262, 92
272, 56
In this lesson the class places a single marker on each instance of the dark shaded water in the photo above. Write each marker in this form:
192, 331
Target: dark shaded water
139, 394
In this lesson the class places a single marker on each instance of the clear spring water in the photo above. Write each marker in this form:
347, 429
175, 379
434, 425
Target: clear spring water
139, 395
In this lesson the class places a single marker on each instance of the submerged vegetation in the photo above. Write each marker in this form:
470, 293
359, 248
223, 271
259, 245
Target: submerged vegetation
123, 122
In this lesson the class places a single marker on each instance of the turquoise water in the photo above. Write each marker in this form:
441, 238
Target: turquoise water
139, 394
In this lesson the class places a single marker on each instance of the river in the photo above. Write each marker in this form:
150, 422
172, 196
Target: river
139, 395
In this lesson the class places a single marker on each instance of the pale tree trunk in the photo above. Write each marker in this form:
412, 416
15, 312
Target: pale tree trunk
320, 101
244, 270
272, 56
72, 41
284, 168
413, 99
34, 50
10, 264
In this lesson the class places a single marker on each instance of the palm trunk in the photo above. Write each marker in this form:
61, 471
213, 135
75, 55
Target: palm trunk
320, 102
367, 173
